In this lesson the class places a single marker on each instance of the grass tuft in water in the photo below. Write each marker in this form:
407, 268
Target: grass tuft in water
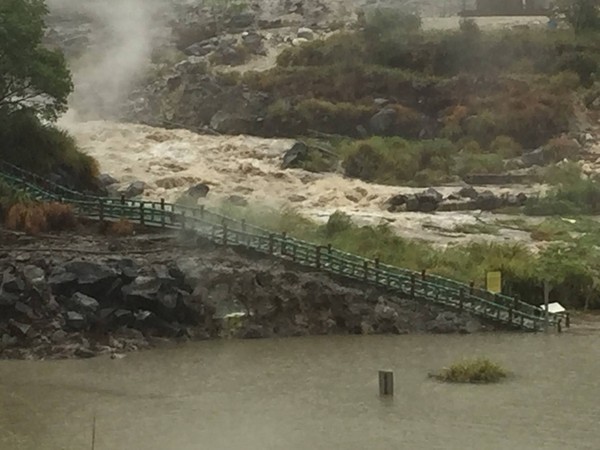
479, 370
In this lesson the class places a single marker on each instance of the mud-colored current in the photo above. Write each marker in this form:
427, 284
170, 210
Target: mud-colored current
309, 393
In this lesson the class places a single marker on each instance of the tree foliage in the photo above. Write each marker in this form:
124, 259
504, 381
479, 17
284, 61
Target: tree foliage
581, 14
32, 77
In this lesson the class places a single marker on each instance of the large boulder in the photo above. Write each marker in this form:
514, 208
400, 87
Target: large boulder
83, 304
384, 121
468, 192
426, 201
295, 155
488, 201
197, 191
135, 189
230, 123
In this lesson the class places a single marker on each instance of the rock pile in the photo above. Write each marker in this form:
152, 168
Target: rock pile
466, 199
60, 307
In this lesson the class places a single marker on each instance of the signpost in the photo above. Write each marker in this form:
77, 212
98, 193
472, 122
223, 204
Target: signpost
493, 282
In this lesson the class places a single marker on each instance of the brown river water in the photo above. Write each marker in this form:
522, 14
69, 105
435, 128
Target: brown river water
309, 393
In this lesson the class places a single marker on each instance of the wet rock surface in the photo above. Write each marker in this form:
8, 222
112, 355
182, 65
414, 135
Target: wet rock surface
68, 306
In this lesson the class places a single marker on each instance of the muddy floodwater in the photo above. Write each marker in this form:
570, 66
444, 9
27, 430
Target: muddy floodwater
309, 393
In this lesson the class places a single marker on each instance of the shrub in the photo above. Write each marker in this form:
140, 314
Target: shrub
27, 218
480, 370
580, 197
338, 222
35, 218
506, 147
121, 228
560, 148
467, 164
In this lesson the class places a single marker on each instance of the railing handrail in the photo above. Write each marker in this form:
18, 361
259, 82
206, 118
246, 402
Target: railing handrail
231, 231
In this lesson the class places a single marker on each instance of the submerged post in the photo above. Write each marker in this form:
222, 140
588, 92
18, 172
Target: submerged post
386, 382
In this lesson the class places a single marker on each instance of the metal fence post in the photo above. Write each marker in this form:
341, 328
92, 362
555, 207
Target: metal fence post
142, 213
162, 212
101, 210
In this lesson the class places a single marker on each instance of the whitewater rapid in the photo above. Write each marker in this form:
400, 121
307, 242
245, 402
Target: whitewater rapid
171, 161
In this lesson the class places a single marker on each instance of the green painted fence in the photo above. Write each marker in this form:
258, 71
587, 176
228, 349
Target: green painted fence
227, 231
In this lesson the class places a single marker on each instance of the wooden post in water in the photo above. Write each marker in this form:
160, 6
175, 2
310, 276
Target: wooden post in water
386, 382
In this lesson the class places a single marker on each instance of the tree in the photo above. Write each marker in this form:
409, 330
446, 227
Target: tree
581, 14
32, 77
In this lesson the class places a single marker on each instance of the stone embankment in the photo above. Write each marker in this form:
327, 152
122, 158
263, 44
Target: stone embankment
79, 296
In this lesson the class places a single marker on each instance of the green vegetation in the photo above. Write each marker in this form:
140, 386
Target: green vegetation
34, 85
440, 104
568, 199
569, 264
31, 76
479, 371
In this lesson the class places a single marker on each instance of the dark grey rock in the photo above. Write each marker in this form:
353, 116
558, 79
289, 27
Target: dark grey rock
294, 156
8, 298
83, 303
535, 157
87, 272
384, 121
468, 192
107, 180
135, 189
75, 321
25, 310
19, 329
12, 283
200, 190
33, 275
488, 201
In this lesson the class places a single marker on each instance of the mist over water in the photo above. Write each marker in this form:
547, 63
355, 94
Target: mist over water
123, 33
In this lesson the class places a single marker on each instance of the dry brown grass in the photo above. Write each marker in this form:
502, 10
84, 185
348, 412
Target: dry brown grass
35, 218
121, 228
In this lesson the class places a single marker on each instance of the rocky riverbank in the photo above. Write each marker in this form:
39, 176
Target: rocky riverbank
83, 295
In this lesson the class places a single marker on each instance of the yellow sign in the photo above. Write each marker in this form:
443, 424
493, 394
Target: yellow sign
493, 282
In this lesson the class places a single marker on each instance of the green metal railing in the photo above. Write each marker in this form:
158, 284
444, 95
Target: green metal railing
227, 231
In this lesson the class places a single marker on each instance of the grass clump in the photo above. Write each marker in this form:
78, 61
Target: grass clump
478, 371
35, 218
581, 197
121, 228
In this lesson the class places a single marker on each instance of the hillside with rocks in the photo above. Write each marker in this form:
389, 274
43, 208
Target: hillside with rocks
75, 295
